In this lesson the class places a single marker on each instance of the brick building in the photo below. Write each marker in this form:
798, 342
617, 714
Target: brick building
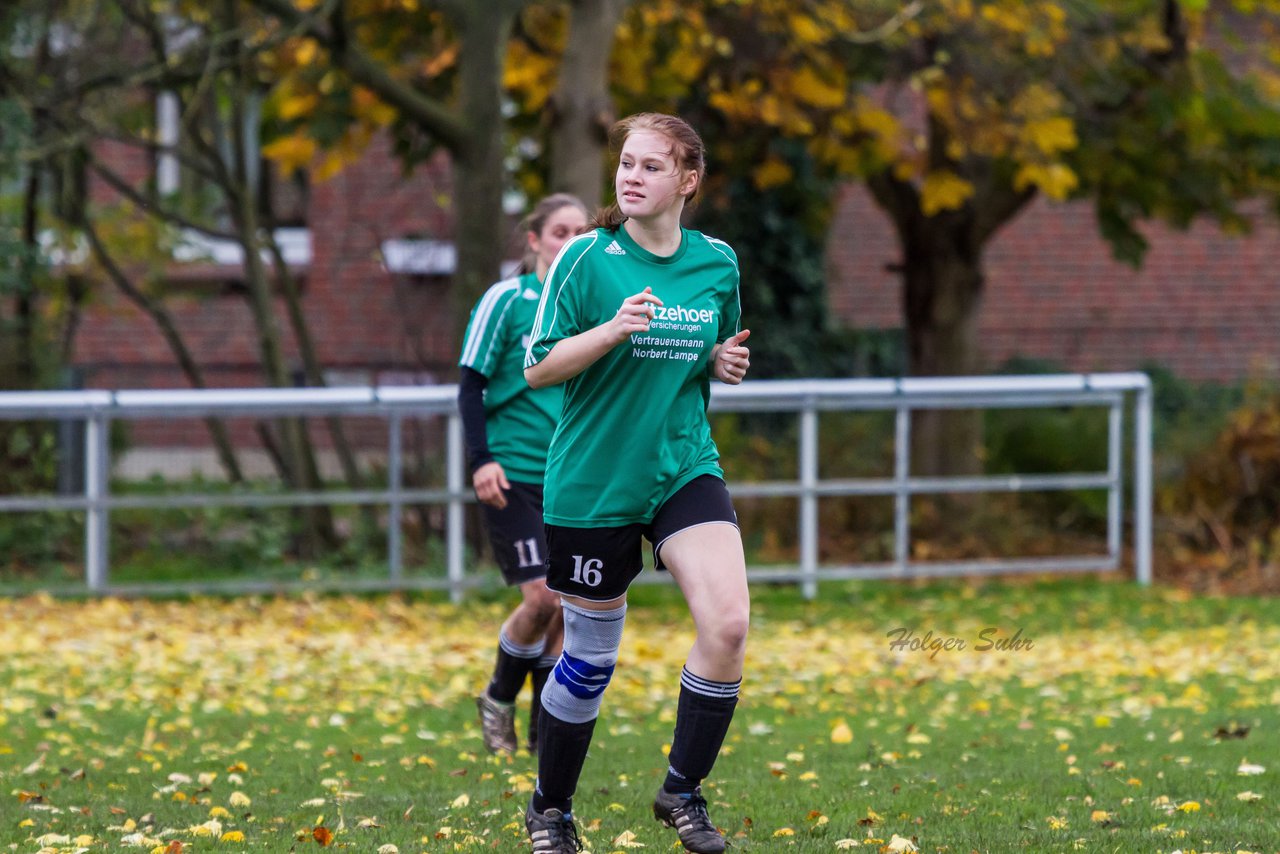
374, 257
369, 324
1204, 305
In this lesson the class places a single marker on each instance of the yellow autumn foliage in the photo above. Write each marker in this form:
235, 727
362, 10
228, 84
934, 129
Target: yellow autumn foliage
292, 152
771, 173
810, 88
1050, 135
943, 190
1055, 180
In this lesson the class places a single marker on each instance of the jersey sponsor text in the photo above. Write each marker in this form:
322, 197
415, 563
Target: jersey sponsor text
675, 355
680, 314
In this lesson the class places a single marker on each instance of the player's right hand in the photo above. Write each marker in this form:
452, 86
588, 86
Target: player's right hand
633, 315
491, 485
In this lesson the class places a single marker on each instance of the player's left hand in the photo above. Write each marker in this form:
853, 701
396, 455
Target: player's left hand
490, 482
732, 359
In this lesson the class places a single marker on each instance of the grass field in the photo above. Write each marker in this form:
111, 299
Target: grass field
1103, 717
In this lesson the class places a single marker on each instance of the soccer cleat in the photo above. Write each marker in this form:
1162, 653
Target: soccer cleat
688, 815
551, 832
497, 724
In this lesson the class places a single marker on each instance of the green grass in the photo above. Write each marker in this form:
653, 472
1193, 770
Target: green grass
333, 711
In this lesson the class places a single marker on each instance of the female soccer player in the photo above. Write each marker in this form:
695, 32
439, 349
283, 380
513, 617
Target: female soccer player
507, 427
635, 318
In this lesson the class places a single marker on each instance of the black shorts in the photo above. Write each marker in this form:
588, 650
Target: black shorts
517, 534
599, 564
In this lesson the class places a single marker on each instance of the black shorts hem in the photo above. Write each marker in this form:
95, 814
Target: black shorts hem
657, 547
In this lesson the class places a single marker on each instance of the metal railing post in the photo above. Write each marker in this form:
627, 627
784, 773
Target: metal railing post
1142, 491
902, 496
1115, 491
809, 499
96, 490
454, 523
395, 503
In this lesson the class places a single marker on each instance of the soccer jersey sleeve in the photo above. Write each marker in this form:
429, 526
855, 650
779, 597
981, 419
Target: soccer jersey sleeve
731, 303
483, 340
559, 311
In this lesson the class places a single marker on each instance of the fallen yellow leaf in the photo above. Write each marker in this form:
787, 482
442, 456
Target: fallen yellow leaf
627, 839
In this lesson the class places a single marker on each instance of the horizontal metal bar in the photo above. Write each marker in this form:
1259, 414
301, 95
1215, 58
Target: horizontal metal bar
1008, 483
41, 504
253, 585
934, 569
52, 404
926, 485
835, 404
187, 500
763, 489
291, 499
919, 392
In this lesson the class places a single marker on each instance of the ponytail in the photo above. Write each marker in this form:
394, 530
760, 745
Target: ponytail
608, 218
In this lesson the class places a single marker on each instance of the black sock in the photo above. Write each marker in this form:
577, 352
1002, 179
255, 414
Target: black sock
512, 666
562, 749
702, 720
538, 675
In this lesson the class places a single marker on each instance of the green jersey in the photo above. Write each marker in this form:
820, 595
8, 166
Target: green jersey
634, 427
518, 420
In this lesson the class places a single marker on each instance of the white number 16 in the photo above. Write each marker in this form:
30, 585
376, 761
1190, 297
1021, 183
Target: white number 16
588, 573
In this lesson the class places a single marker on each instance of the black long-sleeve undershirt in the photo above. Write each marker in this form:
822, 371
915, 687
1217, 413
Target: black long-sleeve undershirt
471, 386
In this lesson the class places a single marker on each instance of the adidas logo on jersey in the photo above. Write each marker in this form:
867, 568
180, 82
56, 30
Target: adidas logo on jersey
614, 249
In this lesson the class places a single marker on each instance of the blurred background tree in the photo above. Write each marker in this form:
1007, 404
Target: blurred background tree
956, 114
429, 73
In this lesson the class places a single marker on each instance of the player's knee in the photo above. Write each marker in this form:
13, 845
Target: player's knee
727, 631
585, 668
543, 613
544, 602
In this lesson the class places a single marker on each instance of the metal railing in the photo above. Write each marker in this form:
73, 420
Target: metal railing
807, 398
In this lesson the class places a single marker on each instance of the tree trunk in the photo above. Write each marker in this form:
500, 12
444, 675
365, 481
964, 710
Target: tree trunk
25, 309
581, 109
26, 363
301, 470
941, 297
942, 294
479, 172
315, 377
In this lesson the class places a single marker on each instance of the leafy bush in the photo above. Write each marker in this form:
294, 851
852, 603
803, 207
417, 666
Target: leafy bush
1228, 502
28, 465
